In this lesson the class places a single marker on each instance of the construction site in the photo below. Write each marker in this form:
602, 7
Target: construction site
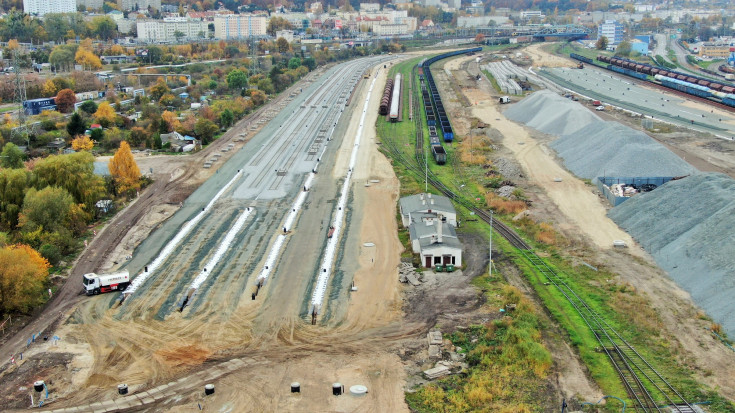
269, 272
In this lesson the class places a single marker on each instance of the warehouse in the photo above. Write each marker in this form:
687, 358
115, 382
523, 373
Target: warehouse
427, 204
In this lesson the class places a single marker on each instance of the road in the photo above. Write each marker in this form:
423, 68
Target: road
623, 92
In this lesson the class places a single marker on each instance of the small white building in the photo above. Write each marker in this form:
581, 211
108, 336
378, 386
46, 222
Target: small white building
286, 34
435, 241
427, 204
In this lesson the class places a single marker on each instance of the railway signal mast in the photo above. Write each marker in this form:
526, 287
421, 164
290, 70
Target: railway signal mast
20, 97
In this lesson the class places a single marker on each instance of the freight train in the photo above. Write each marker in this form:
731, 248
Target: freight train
693, 85
385, 100
440, 155
439, 114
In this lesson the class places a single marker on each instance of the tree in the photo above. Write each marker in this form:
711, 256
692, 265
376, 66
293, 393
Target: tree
103, 27
179, 35
310, 62
88, 106
62, 57
278, 23
294, 63
237, 79
87, 59
601, 43
73, 172
13, 186
65, 100
124, 170
205, 129
49, 88
105, 114
226, 118
170, 120
76, 125
82, 143
48, 209
159, 89
623, 49
23, 276
282, 45
12, 156
258, 97
480, 38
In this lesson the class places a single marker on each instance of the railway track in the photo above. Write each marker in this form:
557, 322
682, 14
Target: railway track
647, 389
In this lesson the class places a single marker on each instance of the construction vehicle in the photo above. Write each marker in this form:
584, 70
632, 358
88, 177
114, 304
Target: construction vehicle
580, 65
103, 283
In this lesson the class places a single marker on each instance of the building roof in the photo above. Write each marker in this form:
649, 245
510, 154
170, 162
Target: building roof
422, 231
415, 203
447, 242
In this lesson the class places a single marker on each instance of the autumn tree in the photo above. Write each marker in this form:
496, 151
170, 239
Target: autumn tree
159, 89
480, 38
124, 170
82, 143
105, 114
23, 276
601, 43
205, 129
171, 120
87, 59
282, 45
258, 97
65, 100
12, 156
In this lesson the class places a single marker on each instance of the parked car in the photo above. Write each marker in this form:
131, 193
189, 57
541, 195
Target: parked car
600, 108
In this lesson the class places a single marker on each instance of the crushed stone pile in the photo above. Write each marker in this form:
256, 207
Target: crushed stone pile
687, 225
613, 149
551, 113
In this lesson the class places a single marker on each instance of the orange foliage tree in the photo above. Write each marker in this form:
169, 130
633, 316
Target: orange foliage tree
65, 100
172, 122
124, 170
23, 274
105, 114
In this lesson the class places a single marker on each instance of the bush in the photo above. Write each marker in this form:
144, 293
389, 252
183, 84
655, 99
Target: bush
51, 253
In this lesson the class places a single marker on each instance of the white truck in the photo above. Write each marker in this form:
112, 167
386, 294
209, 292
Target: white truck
504, 99
103, 283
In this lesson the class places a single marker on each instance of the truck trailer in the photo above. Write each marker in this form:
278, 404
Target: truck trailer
103, 283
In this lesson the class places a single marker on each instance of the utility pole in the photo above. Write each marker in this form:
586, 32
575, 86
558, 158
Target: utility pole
490, 248
20, 97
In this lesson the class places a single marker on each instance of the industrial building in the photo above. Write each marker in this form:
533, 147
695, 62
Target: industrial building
431, 220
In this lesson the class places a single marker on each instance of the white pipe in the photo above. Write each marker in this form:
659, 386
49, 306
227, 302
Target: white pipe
221, 249
176, 240
325, 269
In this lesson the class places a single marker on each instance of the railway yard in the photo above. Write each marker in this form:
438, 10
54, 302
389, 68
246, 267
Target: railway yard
278, 266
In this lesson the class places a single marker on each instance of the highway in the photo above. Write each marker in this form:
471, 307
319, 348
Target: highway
621, 91
264, 178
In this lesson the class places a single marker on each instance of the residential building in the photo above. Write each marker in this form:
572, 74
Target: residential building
41, 7
165, 30
719, 51
476, 7
127, 5
91, 4
527, 15
299, 21
612, 30
455, 4
126, 26
239, 26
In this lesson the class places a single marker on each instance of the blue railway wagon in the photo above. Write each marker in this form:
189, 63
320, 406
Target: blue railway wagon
729, 101
36, 106
580, 58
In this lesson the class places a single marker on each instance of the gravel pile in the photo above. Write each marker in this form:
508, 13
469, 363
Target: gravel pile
507, 168
505, 191
550, 113
613, 149
687, 225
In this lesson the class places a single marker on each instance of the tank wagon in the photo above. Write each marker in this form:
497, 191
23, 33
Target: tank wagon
385, 100
395, 99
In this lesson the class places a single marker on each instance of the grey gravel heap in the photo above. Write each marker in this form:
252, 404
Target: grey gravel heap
687, 225
551, 113
613, 149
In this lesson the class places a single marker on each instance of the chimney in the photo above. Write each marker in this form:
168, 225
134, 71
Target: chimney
439, 232
423, 202
421, 196
432, 201
428, 195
